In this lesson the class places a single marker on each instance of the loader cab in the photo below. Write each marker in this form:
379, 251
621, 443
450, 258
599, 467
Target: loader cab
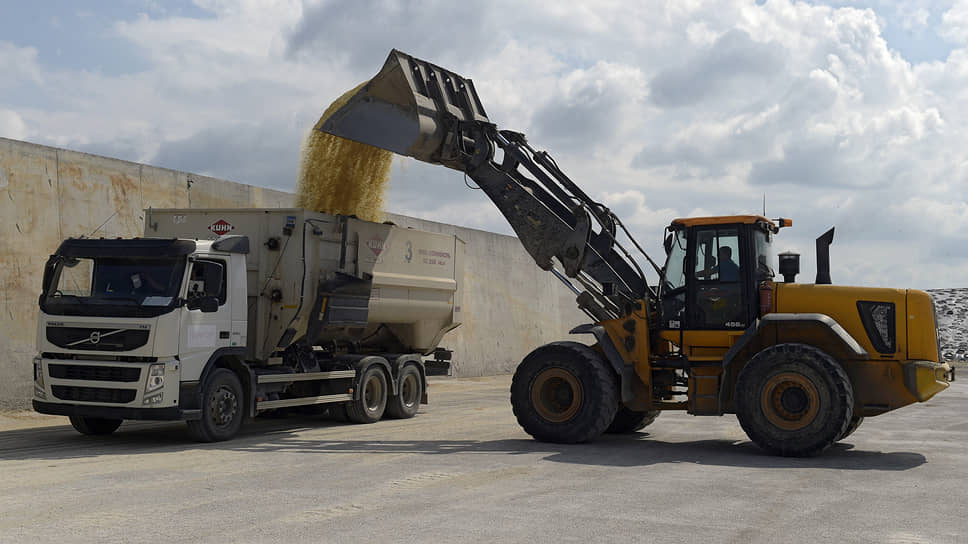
713, 269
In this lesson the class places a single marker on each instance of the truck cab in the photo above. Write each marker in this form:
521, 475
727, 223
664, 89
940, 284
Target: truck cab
126, 326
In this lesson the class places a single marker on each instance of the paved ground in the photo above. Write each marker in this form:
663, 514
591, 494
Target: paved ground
463, 471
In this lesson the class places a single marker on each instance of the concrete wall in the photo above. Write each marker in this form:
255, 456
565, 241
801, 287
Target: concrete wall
48, 194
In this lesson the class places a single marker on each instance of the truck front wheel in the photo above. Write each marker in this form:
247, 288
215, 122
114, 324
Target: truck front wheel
565, 393
794, 400
222, 408
95, 425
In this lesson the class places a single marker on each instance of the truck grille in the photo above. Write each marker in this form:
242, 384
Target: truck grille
94, 373
93, 394
97, 338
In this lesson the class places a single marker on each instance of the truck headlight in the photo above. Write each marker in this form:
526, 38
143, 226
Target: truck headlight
156, 378
39, 378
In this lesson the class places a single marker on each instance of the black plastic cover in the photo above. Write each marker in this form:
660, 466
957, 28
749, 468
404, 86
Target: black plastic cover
126, 247
232, 244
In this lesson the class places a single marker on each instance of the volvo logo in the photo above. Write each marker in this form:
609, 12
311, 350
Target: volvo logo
95, 337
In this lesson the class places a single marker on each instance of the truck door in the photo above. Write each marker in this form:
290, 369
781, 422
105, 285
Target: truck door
204, 332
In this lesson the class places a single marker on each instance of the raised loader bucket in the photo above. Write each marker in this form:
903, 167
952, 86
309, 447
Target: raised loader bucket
408, 108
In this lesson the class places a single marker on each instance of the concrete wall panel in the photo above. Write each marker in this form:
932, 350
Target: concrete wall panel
48, 194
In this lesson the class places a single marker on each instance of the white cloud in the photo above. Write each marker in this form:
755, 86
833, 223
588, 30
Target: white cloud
954, 23
660, 109
12, 125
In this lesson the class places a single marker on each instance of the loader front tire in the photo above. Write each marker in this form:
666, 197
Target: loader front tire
630, 421
794, 400
564, 392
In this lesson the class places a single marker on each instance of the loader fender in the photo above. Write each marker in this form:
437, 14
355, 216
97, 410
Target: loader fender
818, 330
625, 372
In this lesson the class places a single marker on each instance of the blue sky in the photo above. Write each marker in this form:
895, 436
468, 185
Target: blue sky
841, 113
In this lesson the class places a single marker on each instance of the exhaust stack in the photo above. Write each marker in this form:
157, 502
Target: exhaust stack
823, 257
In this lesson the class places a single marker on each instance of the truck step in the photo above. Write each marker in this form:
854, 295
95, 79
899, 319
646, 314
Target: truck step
330, 375
302, 401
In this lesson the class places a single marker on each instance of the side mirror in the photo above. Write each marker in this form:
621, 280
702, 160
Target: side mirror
207, 304
667, 243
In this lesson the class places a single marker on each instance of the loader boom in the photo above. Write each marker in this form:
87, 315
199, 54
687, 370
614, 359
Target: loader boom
417, 109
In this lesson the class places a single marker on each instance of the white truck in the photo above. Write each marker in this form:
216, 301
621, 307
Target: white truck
224, 313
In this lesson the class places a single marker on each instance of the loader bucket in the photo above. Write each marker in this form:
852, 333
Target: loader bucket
407, 108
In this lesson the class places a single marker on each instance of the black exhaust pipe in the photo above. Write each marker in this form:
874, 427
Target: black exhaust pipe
823, 257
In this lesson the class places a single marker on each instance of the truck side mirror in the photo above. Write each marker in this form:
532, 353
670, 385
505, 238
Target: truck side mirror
667, 243
207, 304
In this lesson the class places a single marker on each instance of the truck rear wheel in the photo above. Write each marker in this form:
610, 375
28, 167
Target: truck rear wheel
372, 401
565, 393
410, 388
794, 400
222, 408
630, 421
95, 425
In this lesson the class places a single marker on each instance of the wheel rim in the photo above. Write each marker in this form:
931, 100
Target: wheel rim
225, 406
556, 395
373, 394
408, 390
790, 401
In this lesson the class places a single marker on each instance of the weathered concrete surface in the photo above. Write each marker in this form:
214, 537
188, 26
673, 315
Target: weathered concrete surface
463, 471
48, 194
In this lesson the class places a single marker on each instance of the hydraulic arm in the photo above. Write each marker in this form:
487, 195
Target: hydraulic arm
417, 109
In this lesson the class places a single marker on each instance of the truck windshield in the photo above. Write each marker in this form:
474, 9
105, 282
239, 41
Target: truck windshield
112, 285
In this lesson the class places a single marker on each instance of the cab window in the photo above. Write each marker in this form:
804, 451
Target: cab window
196, 283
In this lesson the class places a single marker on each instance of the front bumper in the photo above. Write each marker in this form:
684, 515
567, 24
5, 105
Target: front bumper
112, 412
925, 379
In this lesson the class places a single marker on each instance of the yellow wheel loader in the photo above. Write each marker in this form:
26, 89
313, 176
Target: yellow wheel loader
800, 365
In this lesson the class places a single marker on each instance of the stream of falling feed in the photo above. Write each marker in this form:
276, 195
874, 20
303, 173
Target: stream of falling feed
340, 176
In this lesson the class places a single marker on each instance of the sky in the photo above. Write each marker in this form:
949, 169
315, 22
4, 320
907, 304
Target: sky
838, 114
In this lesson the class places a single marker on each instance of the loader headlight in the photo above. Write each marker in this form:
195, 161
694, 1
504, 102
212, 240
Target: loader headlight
156, 378
880, 323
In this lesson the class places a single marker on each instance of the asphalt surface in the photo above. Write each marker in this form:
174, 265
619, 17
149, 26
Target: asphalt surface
463, 471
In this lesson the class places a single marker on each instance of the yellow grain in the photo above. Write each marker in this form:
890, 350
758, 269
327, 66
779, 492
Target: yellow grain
340, 176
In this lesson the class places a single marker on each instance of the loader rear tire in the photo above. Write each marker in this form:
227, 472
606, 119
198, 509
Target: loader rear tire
564, 392
630, 421
851, 427
372, 401
794, 400
95, 425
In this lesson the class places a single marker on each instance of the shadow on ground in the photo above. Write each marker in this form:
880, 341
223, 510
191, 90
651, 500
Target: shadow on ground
285, 435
